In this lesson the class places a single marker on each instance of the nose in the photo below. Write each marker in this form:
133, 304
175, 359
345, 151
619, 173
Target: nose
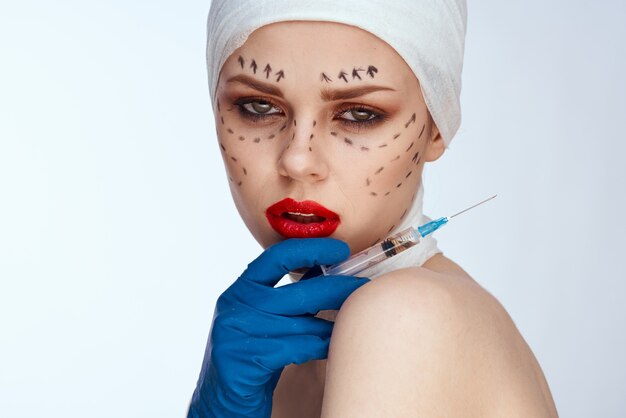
302, 157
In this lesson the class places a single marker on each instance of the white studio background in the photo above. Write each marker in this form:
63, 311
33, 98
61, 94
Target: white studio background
117, 230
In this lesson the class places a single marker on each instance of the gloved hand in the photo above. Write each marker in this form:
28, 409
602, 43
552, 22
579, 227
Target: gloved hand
258, 329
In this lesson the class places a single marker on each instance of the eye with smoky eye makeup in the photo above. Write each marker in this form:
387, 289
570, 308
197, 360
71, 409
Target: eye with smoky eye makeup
355, 116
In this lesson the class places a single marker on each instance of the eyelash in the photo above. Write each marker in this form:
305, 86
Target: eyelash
375, 118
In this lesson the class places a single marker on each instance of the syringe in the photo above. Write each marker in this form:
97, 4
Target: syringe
389, 247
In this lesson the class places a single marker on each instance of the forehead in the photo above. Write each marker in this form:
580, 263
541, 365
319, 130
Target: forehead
305, 49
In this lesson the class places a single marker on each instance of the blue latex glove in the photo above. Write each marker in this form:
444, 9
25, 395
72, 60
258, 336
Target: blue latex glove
258, 329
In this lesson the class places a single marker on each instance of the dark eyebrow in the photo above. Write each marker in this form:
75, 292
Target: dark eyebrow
257, 85
345, 94
326, 94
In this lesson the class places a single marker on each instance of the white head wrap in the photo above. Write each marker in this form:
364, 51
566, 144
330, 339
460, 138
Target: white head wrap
428, 34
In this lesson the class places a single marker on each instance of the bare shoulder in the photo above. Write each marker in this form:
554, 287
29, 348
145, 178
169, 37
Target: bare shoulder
430, 342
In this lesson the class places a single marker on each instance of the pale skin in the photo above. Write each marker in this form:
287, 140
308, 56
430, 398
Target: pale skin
419, 342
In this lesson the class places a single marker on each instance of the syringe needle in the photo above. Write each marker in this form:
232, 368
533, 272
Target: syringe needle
472, 207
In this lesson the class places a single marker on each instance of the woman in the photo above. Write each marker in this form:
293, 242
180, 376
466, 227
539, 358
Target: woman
326, 113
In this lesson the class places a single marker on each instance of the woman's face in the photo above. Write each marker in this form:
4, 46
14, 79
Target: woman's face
323, 112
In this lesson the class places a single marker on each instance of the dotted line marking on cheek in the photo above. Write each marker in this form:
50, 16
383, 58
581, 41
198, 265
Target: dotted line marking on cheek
382, 146
396, 136
222, 119
365, 149
310, 149
392, 226
368, 181
222, 147
398, 185
410, 146
412, 120
347, 141
333, 133
245, 172
230, 131
257, 140
242, 138
404, 213
422, 131
311, 137
219, 109
373, 193
416, 158
314, 123
379, 170
395, 159
233, 158
387, 194
407, 176
283, 127
271, 136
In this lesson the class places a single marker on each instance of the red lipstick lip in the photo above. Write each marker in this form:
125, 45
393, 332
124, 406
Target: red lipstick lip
292, 229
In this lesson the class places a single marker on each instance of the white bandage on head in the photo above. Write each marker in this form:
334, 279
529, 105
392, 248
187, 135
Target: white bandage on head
428, 34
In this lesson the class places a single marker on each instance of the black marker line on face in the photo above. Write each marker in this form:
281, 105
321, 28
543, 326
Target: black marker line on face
293, 136
222, 147
314, 123
374, 193
398, 185
410, 146
367, 181
422, 131
355, 73
311, 137
387, 194
295, 123
230, 131
272, 136
333, 133
230, 178
392, 226
245, 172
371, 70
343, 75
218, 106
407, 176
364, 149
397, 158
396, 136
222, 119
253, 66
404, 213
283, 127
267, 71
379, 170
234, 159
241, 138
325, 78
415, 159
257, 140
382, 146
239, 184
406, 125
347, 141
310, 150
375, 242
241, 61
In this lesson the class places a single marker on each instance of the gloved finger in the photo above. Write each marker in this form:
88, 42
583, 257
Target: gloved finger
295, 349
308, 296
291, 254
267, 325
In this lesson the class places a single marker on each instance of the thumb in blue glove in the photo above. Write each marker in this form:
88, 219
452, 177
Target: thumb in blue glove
258, 329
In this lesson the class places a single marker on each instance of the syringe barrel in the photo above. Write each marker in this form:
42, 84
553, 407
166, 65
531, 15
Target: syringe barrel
373, 255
